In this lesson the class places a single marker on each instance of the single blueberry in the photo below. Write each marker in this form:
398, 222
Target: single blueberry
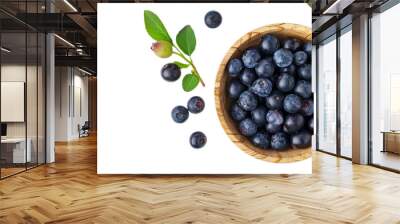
170, 72
275, 100
279, 141
293, 123
248, 76
292, 44
213, 19
269, 44
261, 87
307, 107
304, 72
198, 139
261, 139
258, 115
292, 103
285, 82
237, 113
307, 47
248, 101
251, 57
235, 88
283, 58
247, 127
275, 117
300, 58
235, 66
265, 68
195, 105
273, 128
180, 114
291, 69
310, 124
303, 89
301, 140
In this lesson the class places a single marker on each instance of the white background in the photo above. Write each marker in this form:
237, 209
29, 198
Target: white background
136, 134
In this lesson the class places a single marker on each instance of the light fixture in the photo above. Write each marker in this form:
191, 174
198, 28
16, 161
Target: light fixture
70, 5
5, 50
84, 71
64, 40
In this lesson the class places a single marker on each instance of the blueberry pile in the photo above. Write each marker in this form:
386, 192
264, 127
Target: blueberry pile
180, 114
270, 92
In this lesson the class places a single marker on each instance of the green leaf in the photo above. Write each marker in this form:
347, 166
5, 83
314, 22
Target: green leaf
181, 65
186, 40
154, 27
189, 82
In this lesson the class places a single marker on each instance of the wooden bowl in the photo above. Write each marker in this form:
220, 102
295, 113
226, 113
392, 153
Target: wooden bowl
282, 30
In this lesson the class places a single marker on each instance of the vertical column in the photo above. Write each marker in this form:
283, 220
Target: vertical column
50, 92
360, 90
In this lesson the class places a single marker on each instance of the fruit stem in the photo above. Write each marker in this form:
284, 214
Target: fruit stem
181, 55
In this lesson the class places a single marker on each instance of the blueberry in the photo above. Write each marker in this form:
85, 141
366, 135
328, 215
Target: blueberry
247, 101
198, 139
275, 117
251, 57
261, 139
273, 128
301, 140
291, 44
235, 88
304, 72
269, 44
300, 58
307, 107
291, 69
248, 76
275, 100
195, 105
170, 72
235, 66
285, 82
303, 89
265, 68
283, 58
279, 141
307, 47
261, 87
238, 113
293, 123
248, 127
292, 103
213, 19
180, 114
310, 124
258, 115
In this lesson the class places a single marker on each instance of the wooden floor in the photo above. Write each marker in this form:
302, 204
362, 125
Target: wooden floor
69, 191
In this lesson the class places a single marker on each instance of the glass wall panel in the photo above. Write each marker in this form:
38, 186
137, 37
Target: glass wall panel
41, 79
327, 96
346, 93
385, 89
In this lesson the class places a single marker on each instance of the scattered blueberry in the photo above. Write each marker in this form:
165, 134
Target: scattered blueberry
195, 105
198, 139
247, 127
301, 139
235, 66
261, 139
275, 100
180, 114
265, 68
293, 123
259, 115
235, 88
248, 101
283, 58
304, 72
170, 72
275, 117
248, 76
251, 57
261, 87
279, 141
292, 103
300, 58
303, 89
269, 44
285, 82
213, 19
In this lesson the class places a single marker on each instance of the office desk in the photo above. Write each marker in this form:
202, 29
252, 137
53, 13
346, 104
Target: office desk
391, 141
13, 150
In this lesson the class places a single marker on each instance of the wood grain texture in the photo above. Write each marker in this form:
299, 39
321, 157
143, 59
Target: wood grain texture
282, 30
70, 191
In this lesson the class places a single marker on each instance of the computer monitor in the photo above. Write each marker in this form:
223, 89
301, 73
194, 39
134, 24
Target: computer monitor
3, 129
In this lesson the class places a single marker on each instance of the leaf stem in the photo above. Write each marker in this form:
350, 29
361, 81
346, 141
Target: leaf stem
181, 55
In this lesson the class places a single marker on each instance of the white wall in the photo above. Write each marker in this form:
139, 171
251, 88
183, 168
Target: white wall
71, 102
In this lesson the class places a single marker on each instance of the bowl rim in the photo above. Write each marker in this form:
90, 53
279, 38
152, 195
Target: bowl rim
277, 156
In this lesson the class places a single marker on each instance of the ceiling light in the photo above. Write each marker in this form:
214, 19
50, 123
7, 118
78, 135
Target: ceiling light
84, 71
64, 40
70, 5
5, 50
